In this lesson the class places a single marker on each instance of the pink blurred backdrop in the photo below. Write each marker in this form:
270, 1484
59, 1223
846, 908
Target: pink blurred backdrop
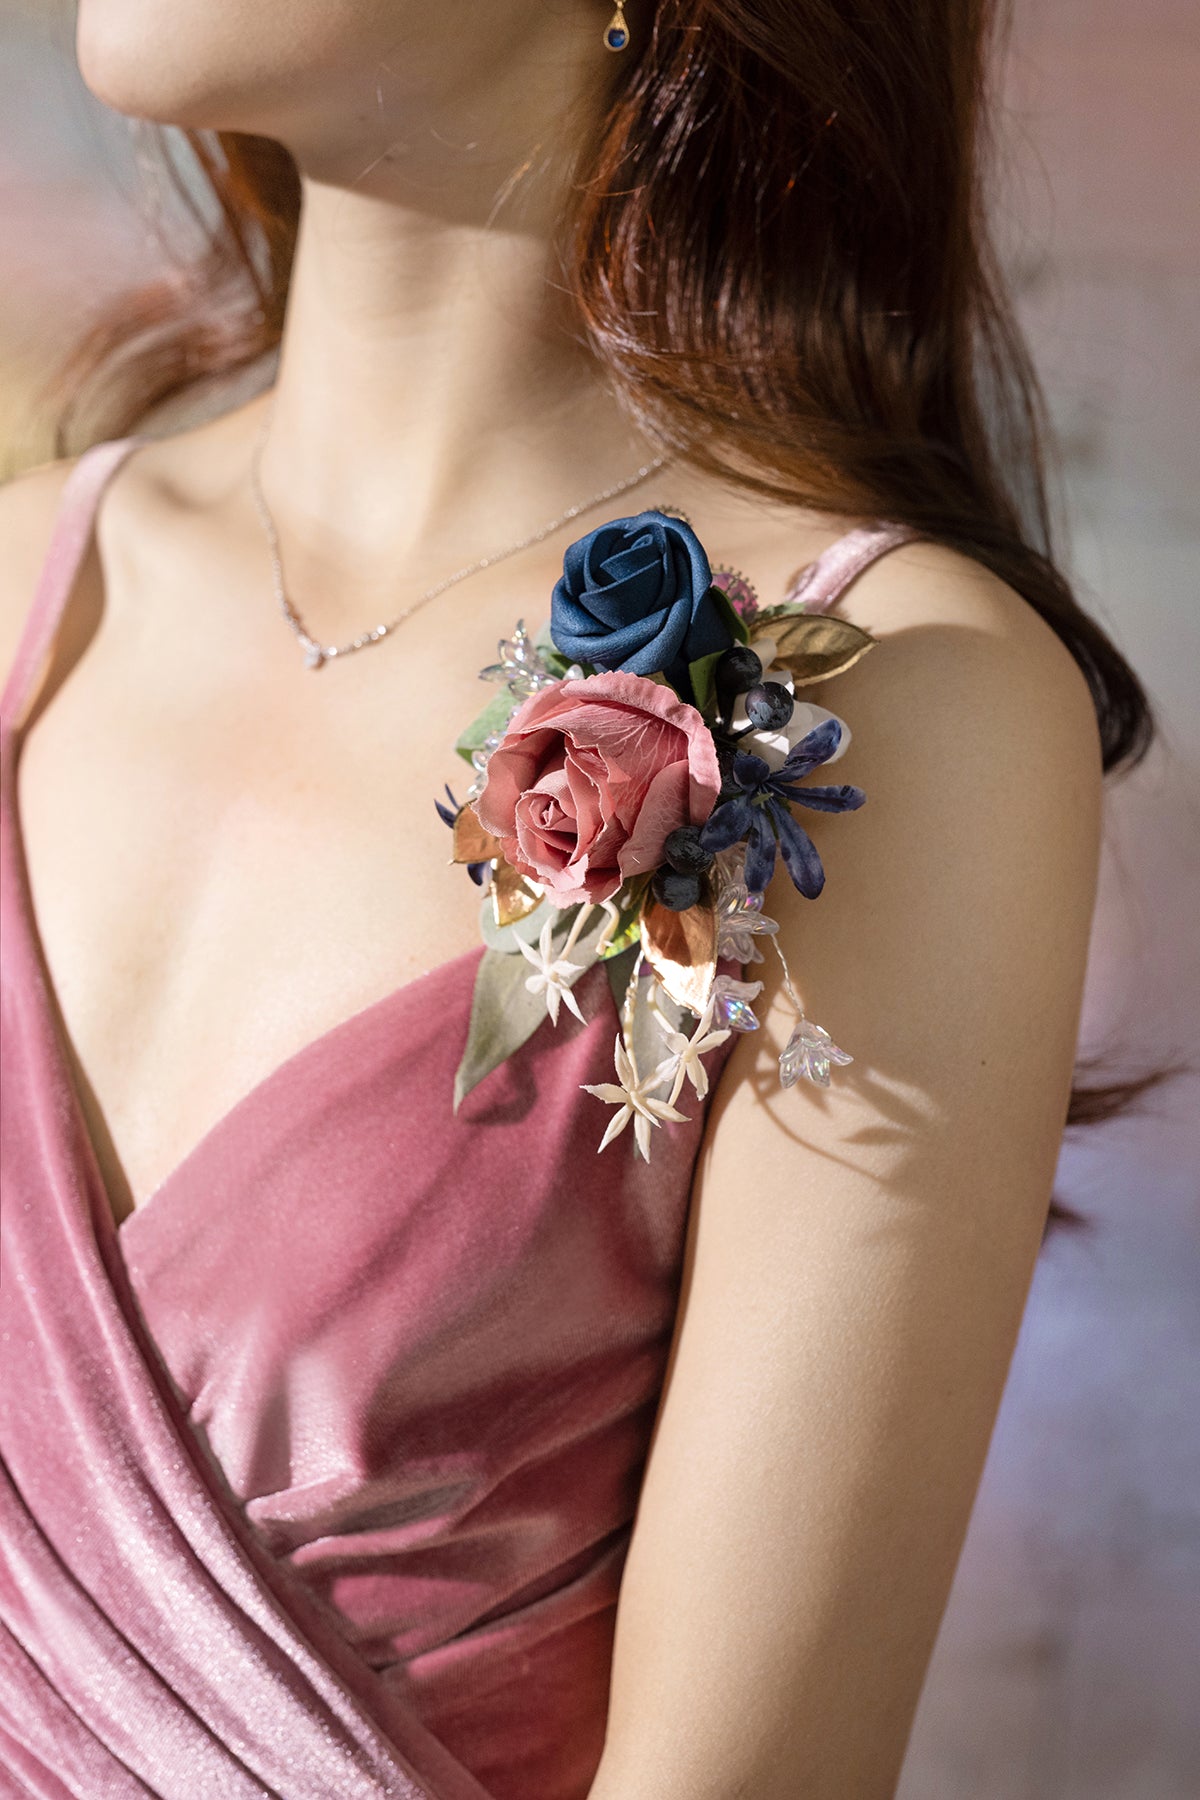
1067, 1666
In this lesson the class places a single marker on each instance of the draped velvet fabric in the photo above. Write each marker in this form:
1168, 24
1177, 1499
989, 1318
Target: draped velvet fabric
319, 1471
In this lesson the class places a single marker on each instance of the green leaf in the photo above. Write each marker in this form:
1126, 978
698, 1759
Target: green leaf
729, 613
628, 929
494, 717
703, 678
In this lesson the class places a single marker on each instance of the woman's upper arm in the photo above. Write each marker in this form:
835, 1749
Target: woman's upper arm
858, 1257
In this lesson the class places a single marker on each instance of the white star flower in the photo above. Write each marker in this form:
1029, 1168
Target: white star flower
686, 1052
631, 1094
551, 974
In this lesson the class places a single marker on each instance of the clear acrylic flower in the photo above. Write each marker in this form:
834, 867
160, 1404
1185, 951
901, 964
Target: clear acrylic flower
731, 1002
740, 919
809, 1052
551, 974
631, 1094
520, 664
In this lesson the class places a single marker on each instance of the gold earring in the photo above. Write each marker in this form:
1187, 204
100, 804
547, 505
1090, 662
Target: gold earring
616, 32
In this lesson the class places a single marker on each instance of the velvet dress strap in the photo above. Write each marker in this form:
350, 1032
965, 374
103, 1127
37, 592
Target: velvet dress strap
69, 540
822, 582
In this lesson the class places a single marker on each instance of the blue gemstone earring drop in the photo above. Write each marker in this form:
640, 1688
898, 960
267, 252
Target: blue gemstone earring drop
616, 32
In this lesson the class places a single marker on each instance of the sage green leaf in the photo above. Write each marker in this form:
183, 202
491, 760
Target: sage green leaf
649, 1045
494, 717
507, 939
504, 1014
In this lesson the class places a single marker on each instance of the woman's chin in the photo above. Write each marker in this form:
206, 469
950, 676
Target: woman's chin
173, 77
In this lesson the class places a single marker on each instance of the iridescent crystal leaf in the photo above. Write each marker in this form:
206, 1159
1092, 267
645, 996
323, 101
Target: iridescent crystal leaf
521, 665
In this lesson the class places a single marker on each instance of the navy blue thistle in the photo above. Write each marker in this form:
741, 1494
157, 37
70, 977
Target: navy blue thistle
756, 804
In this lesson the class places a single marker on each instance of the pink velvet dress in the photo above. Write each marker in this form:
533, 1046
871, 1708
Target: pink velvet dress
319, 1471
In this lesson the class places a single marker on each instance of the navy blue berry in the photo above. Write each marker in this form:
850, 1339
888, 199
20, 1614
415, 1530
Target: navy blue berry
769, 706
737, 670
675, 890
685, 853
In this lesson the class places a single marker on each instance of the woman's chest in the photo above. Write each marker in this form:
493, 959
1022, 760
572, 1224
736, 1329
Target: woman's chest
227, 869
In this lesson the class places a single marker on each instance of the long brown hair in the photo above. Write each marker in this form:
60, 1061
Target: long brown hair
778, 247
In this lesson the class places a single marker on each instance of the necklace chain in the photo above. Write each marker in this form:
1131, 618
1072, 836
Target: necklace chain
316, 653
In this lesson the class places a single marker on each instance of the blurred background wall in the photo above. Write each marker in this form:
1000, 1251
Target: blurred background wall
1068, 1667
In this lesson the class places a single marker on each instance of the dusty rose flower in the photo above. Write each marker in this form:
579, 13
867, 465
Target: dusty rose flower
590, 778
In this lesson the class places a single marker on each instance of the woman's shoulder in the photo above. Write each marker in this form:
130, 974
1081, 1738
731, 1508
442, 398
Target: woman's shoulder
164, 475
947, 617
29, 509
954, 634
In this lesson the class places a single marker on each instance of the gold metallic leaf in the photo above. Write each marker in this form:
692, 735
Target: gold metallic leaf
514, 896
471, 842
681, 948
812, 648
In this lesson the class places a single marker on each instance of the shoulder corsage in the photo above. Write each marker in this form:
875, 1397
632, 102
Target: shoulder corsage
635, 780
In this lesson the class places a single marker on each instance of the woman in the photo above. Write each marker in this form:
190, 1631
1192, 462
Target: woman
330, 1404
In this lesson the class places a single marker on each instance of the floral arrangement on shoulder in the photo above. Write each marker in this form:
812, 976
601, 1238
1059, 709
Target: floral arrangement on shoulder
634, 783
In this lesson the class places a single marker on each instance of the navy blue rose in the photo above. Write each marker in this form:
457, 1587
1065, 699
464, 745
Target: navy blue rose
637, 594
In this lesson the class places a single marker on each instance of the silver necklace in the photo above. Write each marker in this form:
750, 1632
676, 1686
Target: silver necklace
315, 653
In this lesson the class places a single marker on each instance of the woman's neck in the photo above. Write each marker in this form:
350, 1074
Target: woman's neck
434, 399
